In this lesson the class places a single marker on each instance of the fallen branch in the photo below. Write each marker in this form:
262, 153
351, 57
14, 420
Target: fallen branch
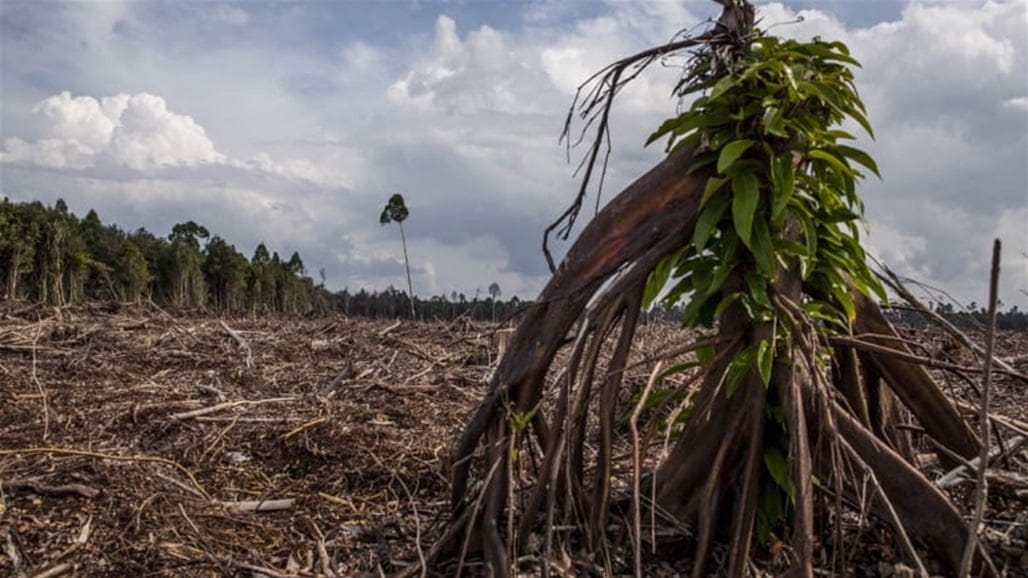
897, 285
907, 356
1010, 423
98, 455
62, 490
226, 405
302, 427
260, 505
58, 570
954, 476
243, 344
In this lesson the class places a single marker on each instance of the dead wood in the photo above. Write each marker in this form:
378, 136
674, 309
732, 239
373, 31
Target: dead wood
913, 385
40, 488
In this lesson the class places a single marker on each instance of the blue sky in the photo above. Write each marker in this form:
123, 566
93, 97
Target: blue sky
292, 123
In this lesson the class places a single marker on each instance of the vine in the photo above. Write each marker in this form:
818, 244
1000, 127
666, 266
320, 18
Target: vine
783, 197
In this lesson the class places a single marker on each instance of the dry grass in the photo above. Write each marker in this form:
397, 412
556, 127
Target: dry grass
134, 443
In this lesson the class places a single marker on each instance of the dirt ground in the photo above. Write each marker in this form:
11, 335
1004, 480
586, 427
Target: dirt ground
134, 443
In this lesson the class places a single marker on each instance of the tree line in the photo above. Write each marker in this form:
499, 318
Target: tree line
393, 303
51, 256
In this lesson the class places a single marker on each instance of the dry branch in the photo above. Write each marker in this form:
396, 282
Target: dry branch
956, 475
226, 405
260, 505
42, 489
243, 344
981, 490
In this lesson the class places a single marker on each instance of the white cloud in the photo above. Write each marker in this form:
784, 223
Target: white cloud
461, 113
1017, 103
135, 131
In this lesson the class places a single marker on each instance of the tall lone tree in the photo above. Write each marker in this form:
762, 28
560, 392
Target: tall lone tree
783, 416
396, 211
494, 292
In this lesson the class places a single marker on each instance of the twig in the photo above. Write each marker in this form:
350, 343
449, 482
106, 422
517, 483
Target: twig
39, 488
260, 505
226, 405
1012, 424
953, 476
62, 568
637, 467
239, 339
897, 521
326, 560
906, 356
897, 285
302, 427
11, 550
262, 571
98, 455
39, 384
981, 491
417, 526
386, 331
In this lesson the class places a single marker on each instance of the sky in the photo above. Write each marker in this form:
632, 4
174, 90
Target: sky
293, 122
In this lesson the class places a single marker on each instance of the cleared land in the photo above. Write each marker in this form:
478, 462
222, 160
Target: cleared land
135, 443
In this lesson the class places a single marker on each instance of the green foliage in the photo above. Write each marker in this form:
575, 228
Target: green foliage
395, 210
780, 199
51, 256
769, 127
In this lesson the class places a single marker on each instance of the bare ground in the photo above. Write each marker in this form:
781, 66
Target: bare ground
134, 443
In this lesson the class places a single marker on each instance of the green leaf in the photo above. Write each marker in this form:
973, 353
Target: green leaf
859, 157
765, 361
731, 152
665, 127
700, 162
763, 249
722, 86
861, 120
783, 177
757, 286
746, 194
809, 239
658, 278
708, 220
776, 465
673, 370
713, 184
726, 302
832, 160
773, 122
705, 355
845, 300
737, 370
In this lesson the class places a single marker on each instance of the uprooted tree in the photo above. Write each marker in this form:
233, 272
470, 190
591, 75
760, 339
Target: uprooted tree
787, 414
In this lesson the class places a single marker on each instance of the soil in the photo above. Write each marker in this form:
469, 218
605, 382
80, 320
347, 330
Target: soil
137, 443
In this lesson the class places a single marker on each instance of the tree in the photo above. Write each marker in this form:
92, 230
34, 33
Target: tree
494, 292
396, 211
183, 265
225, 272
752, 223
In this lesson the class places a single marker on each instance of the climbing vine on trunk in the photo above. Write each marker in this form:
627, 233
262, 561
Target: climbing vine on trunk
785, 412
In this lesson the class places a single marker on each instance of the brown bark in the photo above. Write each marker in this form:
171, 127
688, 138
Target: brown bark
913, 385
926, 513
661, 203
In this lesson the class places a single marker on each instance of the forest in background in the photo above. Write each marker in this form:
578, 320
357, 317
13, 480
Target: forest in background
50, 256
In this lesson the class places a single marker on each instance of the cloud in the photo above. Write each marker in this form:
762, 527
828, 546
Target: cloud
135, 131
271, 121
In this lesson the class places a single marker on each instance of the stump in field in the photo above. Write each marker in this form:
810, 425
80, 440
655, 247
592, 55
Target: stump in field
788, 417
